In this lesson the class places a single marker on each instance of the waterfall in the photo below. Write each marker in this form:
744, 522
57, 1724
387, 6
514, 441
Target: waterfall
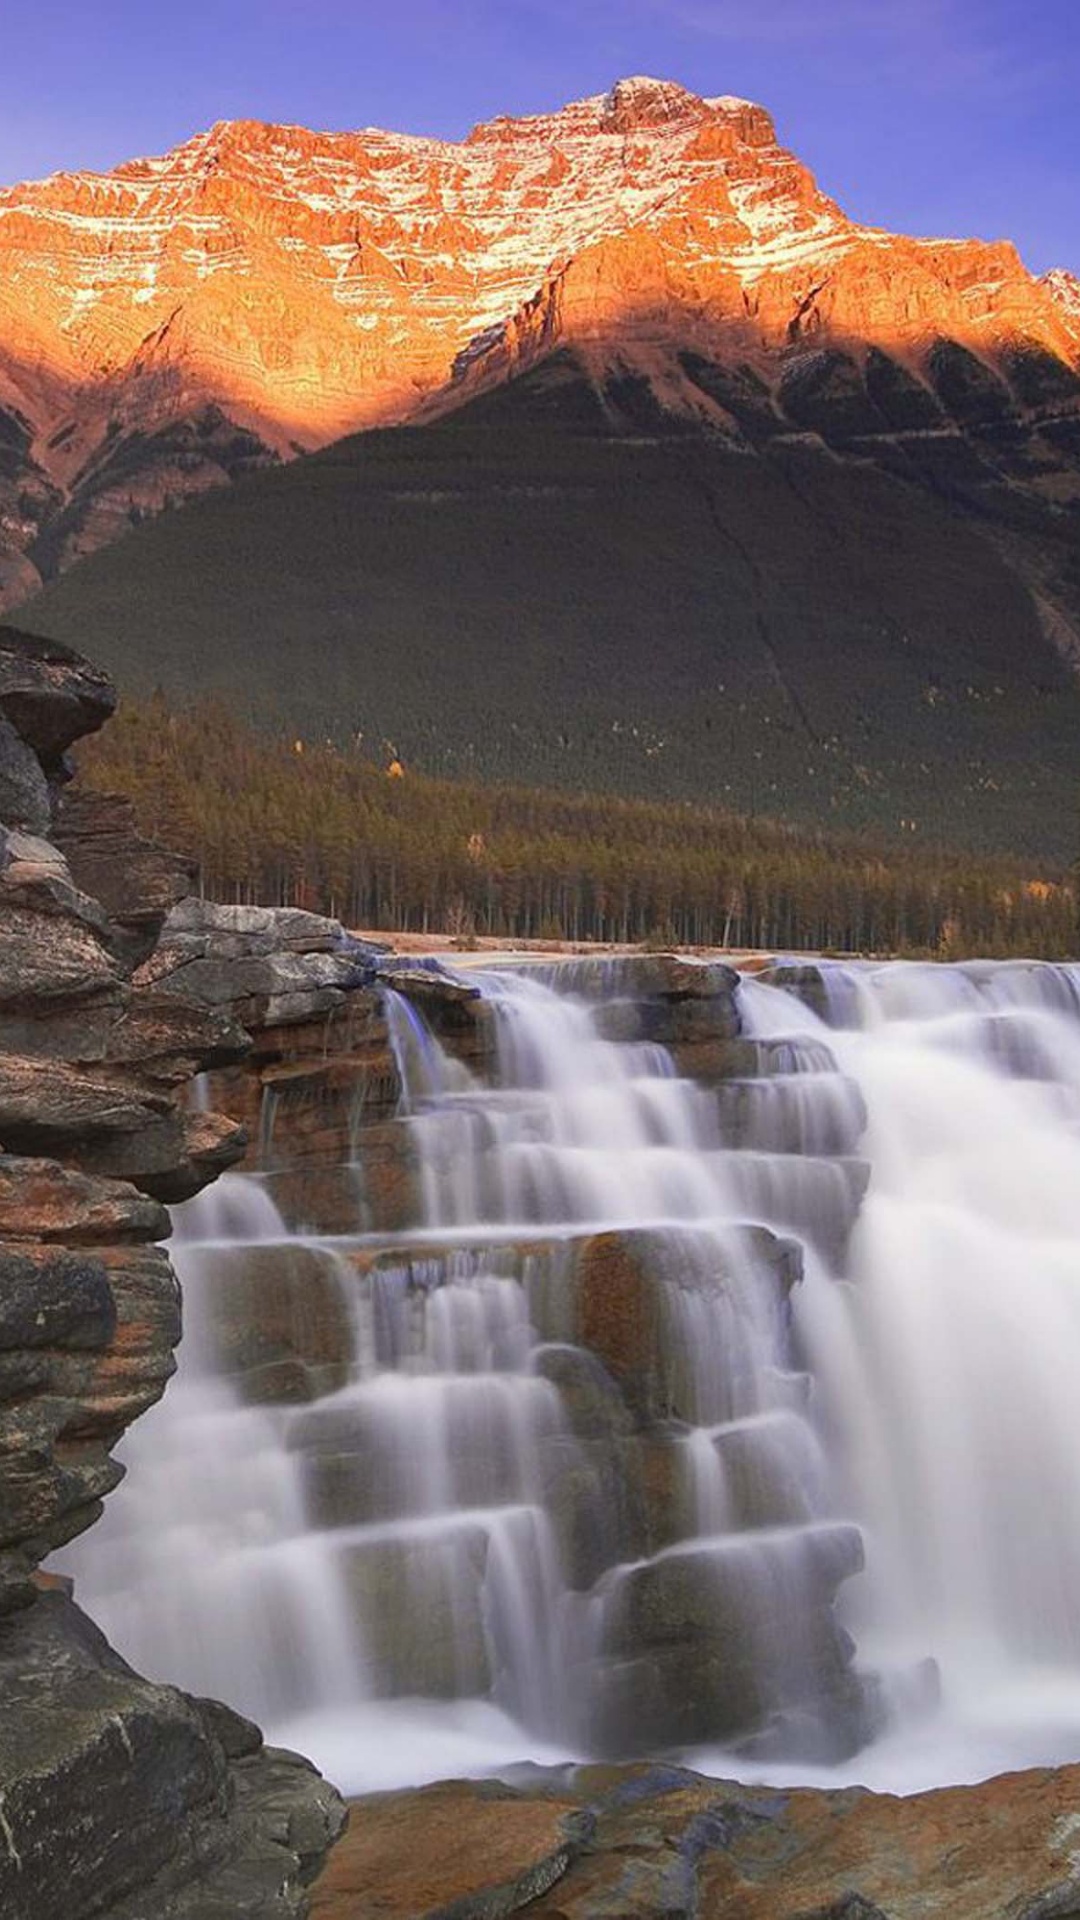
735, 1417
948, 1357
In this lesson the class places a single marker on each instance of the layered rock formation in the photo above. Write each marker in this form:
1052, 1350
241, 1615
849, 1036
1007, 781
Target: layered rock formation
118, 1796
263, 289
335, 1140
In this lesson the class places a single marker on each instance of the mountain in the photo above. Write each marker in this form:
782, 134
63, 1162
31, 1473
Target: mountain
705, 487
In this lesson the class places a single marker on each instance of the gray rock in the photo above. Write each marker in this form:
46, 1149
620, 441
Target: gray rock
24, 790
54, 1300
49, 693
126, 1800
42, 965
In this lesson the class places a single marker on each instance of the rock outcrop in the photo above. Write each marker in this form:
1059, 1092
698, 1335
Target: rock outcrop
118, 1797
263, 289
660, 1843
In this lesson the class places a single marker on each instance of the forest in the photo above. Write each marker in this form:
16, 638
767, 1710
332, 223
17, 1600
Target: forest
294, 822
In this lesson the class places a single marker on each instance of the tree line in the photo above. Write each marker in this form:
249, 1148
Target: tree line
292, 822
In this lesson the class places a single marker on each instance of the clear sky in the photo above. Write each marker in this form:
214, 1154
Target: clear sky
929, 116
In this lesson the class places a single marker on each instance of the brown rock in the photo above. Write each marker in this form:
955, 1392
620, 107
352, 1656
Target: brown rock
621, 1285
474, 1851
42, 1200
659, 1843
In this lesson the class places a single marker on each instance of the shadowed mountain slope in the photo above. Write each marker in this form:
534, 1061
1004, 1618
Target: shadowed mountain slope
564, 582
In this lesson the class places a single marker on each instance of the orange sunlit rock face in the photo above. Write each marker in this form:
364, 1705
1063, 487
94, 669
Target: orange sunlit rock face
264, 289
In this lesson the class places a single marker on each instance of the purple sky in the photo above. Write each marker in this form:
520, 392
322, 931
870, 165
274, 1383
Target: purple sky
930, 116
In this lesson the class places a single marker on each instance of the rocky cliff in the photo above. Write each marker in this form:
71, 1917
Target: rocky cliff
264, 289
118, 1797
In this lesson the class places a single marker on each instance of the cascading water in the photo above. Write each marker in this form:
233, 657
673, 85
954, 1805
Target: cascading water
584, 1458
948, 1359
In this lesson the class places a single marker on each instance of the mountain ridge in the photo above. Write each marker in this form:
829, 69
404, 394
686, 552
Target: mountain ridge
261, 290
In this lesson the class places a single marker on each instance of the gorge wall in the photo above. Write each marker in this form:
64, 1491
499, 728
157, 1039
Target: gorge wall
119, 1797
459, 1154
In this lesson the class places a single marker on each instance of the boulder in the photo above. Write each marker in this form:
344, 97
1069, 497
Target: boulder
123, 1799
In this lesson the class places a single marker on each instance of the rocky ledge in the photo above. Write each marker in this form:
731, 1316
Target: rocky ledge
661, 1843
118, 1798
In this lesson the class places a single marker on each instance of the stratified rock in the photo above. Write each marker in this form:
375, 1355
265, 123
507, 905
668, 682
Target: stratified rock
42, 1200
135, 881
118, 1799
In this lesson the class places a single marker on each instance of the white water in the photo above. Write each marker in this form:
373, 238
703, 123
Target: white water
948, 1361
243, 1558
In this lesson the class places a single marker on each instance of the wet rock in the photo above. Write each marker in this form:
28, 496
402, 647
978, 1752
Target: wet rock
592, 1402
279, 1324
475, 1851
802, 979
766, 1470
421, 1599
623, 1284
704, 1642
714, 1061
389, 1173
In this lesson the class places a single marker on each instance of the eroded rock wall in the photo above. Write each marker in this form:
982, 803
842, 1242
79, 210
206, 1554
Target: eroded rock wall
119, 1797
